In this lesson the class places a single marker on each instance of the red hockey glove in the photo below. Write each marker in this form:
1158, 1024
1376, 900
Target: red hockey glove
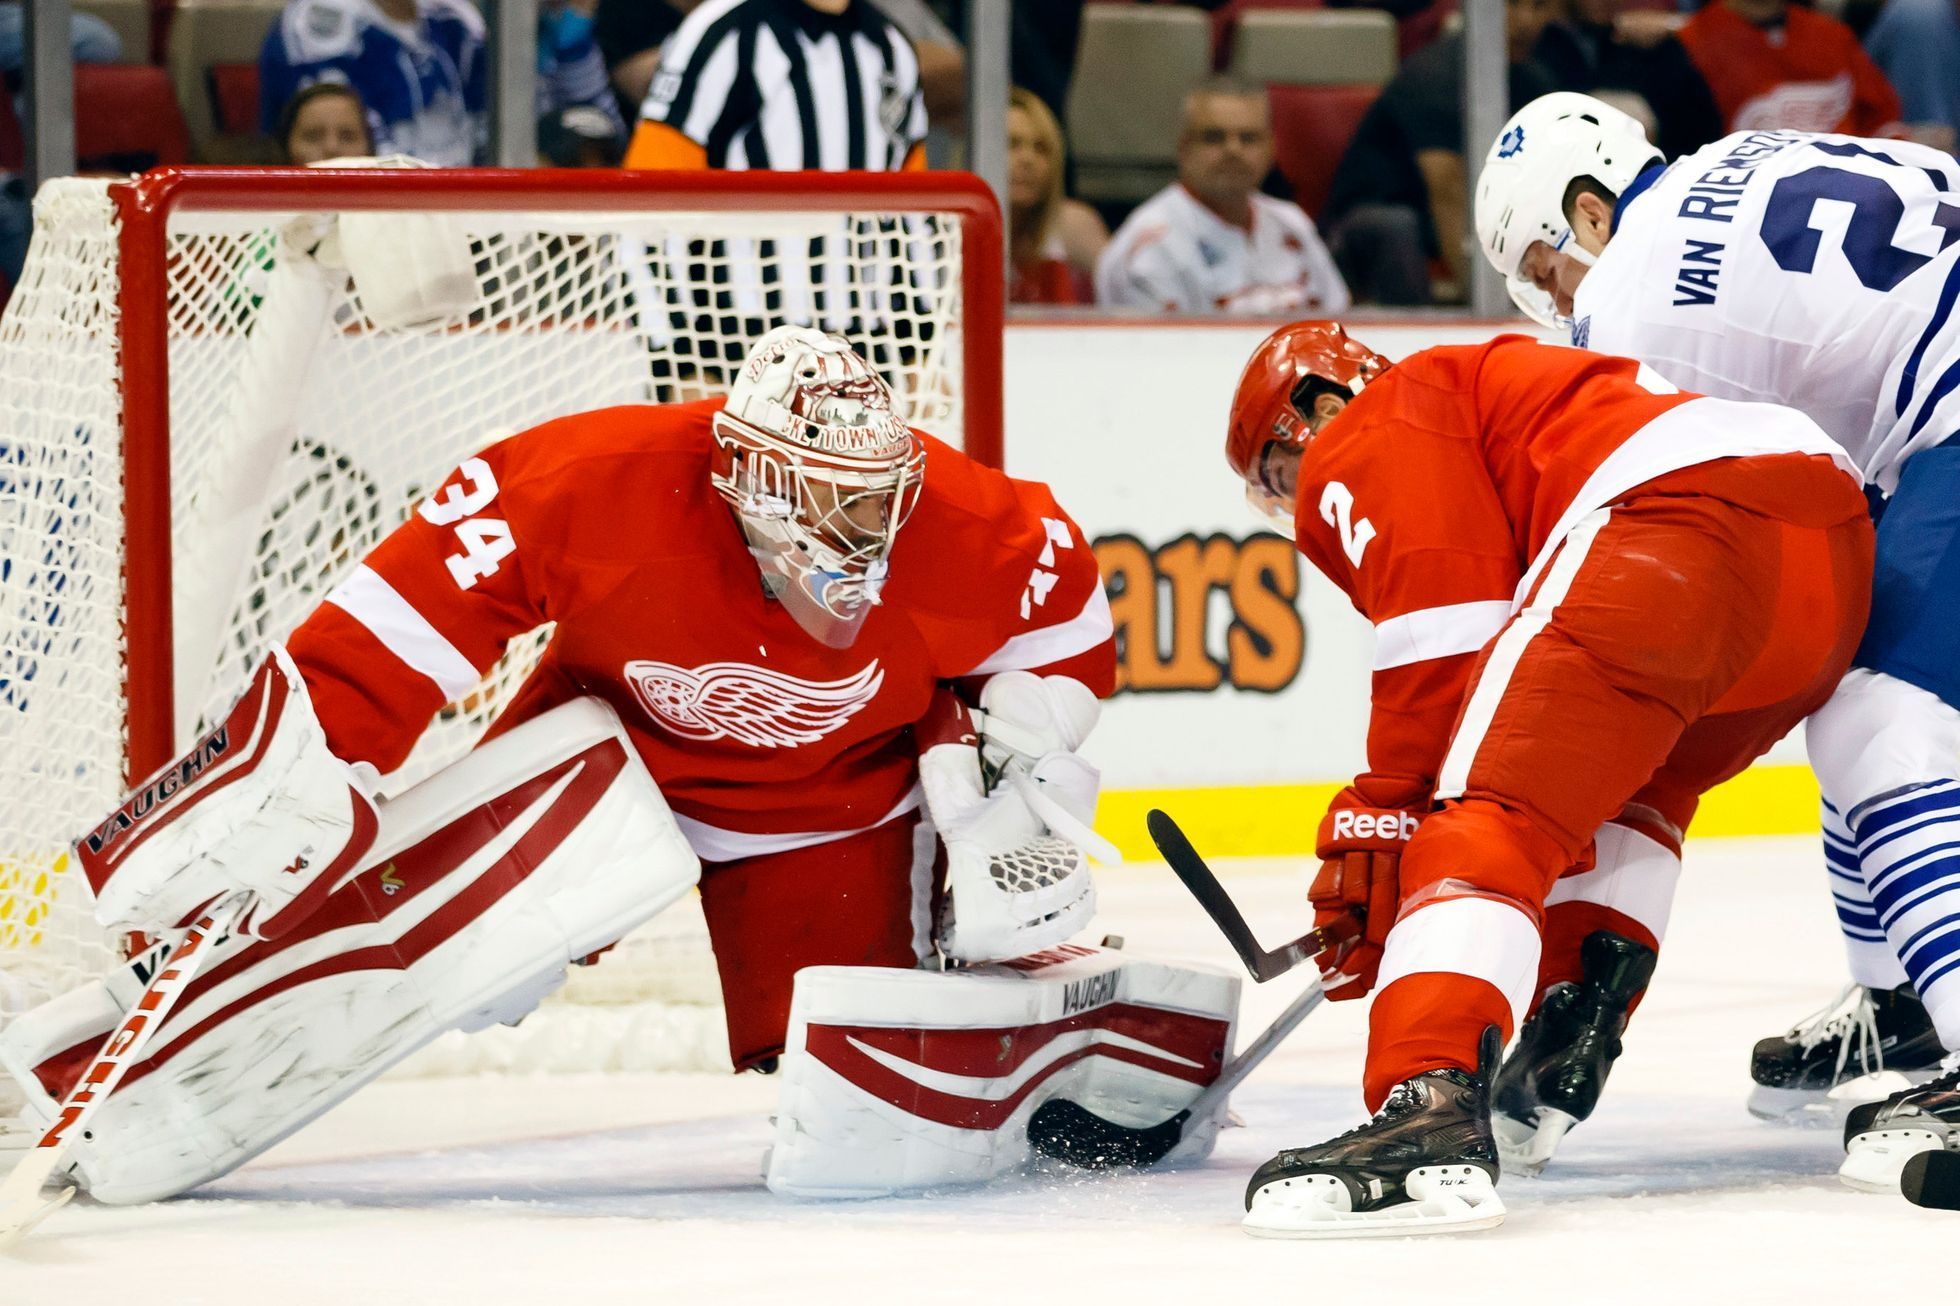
1361, 848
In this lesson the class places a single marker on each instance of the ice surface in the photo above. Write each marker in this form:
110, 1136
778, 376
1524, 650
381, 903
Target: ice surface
647, 1189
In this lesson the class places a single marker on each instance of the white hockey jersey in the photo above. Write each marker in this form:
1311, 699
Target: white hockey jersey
1817, 271
1177, 256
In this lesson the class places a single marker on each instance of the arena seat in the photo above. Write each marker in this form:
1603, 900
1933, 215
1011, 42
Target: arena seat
1132, 68
1225, 18
1314, 47
126, 120
209, 41
1312, 126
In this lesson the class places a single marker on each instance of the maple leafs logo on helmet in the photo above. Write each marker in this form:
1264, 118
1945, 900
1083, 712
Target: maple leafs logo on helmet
1511, 143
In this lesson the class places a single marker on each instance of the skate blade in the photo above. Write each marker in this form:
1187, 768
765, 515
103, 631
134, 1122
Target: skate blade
1443, 1199
1812, 1108
1874, 1161
1524, 1149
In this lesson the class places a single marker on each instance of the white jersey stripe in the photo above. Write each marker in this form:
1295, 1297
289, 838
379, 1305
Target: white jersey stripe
1632, 875
712, 843
1509, 649
1438, 632
1490, 941
403, 631
1038, 648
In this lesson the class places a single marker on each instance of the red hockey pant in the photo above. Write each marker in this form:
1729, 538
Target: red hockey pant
1669, 641
862, 900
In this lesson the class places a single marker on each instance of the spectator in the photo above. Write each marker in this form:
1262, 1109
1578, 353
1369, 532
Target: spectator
1637, 65
325, 121
580, 136
1399, 196
89, 38
630, 34
418, 64
1773, 64
1054, 240
741, 82
570, 70
1916, 43
91, 41
1210, 242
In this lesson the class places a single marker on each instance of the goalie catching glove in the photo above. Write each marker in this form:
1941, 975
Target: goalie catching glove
1013, 801
259, 803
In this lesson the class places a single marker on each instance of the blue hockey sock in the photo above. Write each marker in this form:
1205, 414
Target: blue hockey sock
1908, 846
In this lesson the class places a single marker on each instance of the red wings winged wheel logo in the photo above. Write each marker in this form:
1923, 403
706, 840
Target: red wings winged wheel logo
750, 704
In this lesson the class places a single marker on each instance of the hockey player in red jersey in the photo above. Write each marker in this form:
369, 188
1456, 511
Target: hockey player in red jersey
1594, 599
781, 730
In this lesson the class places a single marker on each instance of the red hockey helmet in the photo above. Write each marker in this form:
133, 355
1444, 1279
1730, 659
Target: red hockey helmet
1275, 396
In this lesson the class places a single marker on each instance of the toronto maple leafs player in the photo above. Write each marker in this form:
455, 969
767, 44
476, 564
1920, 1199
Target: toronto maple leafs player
1819, 271
767, 610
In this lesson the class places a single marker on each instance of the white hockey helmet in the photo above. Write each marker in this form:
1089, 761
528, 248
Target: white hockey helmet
821, 472
1547, 145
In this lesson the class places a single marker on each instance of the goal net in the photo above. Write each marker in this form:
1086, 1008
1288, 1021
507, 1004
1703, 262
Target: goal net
205, 426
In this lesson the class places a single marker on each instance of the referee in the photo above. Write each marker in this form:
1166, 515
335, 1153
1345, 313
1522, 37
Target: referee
815, 85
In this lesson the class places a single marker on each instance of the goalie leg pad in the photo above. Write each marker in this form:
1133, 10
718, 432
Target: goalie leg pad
542, 847
906, 1080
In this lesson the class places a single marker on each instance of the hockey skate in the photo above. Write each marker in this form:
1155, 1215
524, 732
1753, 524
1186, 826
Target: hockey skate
1880, 1137
1811, 1074
1553, 1077
1425, 1164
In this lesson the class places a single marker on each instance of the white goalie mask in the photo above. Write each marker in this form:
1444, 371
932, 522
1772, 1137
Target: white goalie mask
1543, 149
821, 472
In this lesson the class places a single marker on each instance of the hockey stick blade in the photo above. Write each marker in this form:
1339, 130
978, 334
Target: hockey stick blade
1204, 886
22, 1205
1932, 1180
1069, 1131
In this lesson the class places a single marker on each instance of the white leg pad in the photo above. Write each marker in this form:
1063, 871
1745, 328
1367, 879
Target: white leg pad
900, 1080
488, 879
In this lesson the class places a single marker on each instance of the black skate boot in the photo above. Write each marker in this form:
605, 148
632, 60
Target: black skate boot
1425, 1164
1553, 1077
1865, 1031
1880, 1137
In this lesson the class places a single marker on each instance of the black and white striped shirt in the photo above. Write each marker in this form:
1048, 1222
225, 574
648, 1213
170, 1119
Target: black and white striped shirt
781, 85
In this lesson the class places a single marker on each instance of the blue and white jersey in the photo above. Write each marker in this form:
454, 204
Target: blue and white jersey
570, 68
424, 84
1817, 271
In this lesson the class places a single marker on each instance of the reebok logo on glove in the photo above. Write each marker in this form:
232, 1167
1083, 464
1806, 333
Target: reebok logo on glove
1399, 826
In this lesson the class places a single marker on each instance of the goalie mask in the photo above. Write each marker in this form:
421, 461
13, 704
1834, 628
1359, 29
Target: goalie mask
1272, 408
821, 473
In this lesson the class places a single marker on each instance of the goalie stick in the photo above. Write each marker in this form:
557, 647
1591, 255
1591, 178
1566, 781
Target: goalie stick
21, 1203
1069, 1131
1204, 886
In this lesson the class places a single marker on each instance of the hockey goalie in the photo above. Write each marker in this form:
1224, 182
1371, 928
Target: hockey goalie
817, 661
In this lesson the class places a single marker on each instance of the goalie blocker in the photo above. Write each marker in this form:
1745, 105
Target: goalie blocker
485, 881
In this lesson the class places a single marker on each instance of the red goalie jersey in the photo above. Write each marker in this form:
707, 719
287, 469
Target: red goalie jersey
1435, 499
761, 738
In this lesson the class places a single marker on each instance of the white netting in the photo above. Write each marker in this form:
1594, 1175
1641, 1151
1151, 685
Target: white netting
301, 433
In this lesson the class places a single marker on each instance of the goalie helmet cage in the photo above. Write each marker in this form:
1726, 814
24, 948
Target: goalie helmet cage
205, 428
